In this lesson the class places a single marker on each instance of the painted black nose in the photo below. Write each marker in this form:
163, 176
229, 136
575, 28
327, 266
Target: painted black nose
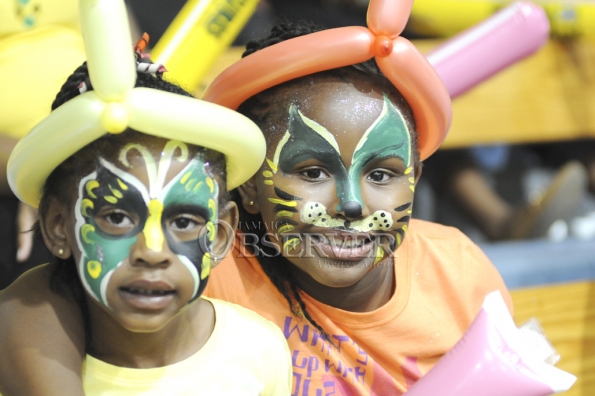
352, 209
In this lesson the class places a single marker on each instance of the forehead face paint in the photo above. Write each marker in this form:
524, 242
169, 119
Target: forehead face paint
113, 189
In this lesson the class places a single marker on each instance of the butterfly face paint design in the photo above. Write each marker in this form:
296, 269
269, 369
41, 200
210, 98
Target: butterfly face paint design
109, 189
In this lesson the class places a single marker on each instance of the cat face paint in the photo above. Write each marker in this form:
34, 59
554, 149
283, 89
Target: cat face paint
155, 210
305, 141
336, 190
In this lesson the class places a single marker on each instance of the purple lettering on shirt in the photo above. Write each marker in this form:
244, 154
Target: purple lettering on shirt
287, 331
294, 360
340, 339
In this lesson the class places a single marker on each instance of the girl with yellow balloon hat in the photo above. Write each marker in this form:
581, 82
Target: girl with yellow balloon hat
130, 174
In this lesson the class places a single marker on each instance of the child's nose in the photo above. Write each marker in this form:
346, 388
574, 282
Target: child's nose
141, 254
351, 209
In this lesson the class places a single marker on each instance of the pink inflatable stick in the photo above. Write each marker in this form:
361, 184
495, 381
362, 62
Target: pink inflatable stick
481, 51
493, 358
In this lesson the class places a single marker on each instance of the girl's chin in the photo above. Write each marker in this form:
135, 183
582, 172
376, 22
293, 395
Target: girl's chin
334, 272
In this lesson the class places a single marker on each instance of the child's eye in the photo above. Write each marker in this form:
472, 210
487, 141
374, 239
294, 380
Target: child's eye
119, 219
314, 174
115, 221
378, 176
184, 223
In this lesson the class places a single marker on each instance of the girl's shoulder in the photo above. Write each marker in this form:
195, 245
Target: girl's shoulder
428, 229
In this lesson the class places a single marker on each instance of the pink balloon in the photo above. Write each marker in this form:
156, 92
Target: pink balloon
481, 51
492, 359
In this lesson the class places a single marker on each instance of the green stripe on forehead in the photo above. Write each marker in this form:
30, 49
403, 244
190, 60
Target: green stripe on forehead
388, 136
305, 134
322, 131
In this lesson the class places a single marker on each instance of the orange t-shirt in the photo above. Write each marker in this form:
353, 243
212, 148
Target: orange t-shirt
442, 278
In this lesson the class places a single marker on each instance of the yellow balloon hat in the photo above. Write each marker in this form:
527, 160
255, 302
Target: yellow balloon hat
115, 105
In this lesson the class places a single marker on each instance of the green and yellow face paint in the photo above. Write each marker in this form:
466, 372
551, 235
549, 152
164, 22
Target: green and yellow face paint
110, 188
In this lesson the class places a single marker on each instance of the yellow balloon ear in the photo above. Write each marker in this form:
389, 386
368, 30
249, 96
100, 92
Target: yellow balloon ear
114, 117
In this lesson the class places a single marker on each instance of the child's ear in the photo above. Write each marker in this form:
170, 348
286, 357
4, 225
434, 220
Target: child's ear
54, 229
226, 229
249, 193
417, 171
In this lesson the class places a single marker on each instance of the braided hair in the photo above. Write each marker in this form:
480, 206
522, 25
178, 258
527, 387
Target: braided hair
257, 108
59, 185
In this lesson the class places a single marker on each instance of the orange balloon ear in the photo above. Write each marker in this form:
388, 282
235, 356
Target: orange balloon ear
418, 82
388, 17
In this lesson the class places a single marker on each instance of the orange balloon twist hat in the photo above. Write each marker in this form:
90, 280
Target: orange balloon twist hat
397, 58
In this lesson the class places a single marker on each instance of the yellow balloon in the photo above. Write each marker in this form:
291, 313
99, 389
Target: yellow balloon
203, 124
201, 31
114, 117
571, 19
113, 105
28, 88
111, 62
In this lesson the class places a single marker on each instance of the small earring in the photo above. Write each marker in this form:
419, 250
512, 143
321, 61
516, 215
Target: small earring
251, 203
60, 252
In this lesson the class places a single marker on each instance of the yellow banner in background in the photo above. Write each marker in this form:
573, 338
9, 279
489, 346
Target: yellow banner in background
201, 31
444, 18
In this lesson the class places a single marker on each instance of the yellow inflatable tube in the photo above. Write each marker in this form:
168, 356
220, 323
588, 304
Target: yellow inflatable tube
568, 19
201, 31
34, 64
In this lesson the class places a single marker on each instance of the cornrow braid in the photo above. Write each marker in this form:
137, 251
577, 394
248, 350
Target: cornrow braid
288, 30
70, 88
258, 109
282, 32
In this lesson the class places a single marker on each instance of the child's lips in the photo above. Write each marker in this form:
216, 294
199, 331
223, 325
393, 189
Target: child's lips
148, 295
343, 245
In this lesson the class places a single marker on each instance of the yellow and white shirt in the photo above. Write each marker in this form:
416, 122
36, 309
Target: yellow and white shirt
245, 355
